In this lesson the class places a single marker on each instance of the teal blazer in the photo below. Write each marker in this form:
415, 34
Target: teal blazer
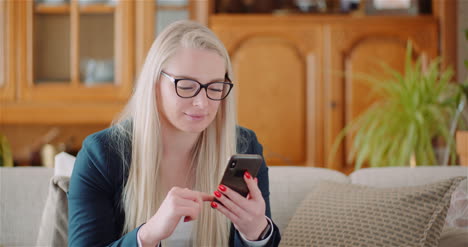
95, 217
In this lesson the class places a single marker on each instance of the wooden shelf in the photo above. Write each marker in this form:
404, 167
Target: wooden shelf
42, 8
97, 9
65, 9
171, 8
59, 113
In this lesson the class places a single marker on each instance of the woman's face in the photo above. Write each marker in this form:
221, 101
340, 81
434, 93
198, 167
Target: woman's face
194, 114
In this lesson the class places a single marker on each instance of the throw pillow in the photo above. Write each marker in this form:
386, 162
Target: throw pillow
336, 214
53, 230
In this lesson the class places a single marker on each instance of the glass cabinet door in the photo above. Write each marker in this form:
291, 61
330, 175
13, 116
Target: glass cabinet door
168, 11
51, 45
76, 50
6, 48
152, 16
96, 56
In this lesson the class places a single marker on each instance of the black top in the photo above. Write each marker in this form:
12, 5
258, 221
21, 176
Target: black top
95, 217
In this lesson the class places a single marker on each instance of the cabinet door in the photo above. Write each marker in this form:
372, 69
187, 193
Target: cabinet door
277, 82
357, 48
75, 51
152, 16
7, 75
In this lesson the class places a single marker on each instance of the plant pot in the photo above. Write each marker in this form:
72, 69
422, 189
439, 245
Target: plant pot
462, 147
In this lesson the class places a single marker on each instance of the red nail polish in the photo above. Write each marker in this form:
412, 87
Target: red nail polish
222, 188
217, 194
214, 205
247, 174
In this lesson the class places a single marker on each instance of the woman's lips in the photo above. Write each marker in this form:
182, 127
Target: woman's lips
195, 116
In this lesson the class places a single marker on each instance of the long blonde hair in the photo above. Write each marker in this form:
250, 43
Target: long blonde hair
139, 127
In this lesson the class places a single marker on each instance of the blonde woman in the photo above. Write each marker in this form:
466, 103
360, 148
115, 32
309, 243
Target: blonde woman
151, 178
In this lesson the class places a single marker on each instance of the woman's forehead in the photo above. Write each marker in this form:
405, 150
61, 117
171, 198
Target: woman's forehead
200, 64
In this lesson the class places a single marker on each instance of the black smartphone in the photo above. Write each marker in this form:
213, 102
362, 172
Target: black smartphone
234, 174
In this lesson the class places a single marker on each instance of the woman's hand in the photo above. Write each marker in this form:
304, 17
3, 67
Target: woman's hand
247, 214
177, 204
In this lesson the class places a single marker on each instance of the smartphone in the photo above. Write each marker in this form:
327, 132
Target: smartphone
234, 174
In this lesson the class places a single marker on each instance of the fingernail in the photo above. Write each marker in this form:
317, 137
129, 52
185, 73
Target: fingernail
214, 205
187, 219
217, 194
222, 188
247, 174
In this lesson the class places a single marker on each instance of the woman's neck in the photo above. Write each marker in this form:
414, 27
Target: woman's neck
177, 157
177, 145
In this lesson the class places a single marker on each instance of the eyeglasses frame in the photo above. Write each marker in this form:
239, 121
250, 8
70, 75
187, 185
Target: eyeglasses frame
205, 86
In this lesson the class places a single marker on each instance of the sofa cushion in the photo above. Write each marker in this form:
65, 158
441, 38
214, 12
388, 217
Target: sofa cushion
384, 177
335, 214
23, 192
289, 185
454, 237
53, 230
390, 177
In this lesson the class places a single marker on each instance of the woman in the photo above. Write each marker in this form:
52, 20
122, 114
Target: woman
151, 177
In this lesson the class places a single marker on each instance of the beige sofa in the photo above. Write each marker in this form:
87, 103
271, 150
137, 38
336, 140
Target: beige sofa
23, 192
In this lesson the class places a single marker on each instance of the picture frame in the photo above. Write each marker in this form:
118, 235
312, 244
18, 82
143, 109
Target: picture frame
391, 7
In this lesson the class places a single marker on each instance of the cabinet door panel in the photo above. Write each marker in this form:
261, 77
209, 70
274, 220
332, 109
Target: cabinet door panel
165, 17
271, 95
51, 49
357, 51
97, 49
152, 16
365, 58
277, 85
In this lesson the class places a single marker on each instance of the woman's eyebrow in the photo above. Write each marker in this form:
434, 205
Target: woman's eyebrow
192, 78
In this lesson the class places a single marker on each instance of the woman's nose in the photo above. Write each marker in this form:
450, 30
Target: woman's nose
201, 99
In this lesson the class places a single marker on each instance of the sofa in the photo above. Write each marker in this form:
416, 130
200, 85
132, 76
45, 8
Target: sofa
24, 191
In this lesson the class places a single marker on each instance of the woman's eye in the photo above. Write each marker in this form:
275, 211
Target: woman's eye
185, 88
216, 90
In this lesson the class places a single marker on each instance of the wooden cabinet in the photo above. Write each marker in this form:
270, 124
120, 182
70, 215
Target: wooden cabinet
277, 69
358, 47
7, 75
74, 62
295, 75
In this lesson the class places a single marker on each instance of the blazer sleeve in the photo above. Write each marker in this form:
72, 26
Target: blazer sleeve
263, 183
92, 214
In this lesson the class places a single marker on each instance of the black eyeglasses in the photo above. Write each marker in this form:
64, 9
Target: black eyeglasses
188, 88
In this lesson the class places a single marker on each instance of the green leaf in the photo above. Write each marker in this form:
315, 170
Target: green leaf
6, 157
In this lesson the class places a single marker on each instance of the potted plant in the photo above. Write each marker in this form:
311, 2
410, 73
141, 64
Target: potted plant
6, 158
414, 109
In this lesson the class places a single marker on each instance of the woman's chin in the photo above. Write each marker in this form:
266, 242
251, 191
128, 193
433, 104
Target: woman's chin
194, 128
